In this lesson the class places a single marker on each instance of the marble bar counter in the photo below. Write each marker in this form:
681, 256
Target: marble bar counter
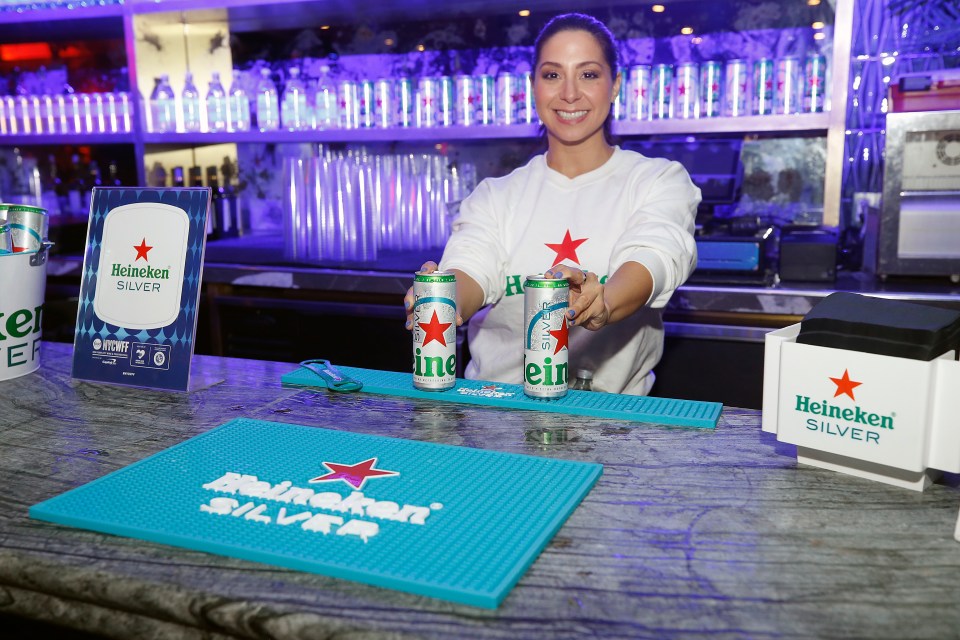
689, 533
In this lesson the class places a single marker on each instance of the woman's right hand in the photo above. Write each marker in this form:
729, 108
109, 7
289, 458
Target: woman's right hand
428, 267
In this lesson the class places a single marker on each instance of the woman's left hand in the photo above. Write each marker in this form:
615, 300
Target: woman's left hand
587, 307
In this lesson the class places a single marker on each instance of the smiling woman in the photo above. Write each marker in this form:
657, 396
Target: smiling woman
616, 225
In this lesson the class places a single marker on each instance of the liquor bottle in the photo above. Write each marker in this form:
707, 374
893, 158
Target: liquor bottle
583, 381
216, 204
76, 185
94, 180
325, 105
176, 177
293, 107
268, 108
238, 105
163, 106
231, 204
196, 176
190, 103
113, 174
216, 105
54, 191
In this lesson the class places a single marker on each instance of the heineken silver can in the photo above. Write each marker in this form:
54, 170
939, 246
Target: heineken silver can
545, 348
434, 330
763, 87
485, 107
428, 99
349, 104
366, 117
687, 103
638, 92
406, 98
789, 89
384, 104
711, 73
465, 90
28, 227
6, 243
662, 100
507, 97
736, 86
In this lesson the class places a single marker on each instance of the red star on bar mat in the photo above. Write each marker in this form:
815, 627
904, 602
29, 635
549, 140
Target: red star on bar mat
845, 385
142, 250
567, 248
561, 335
434, 330
353, 474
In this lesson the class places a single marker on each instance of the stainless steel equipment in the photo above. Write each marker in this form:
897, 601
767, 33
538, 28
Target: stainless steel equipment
919, 230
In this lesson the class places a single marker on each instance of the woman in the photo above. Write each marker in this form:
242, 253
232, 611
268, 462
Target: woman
617, 225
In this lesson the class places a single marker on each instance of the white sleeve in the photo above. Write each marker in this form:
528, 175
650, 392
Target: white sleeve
659, 233
476, 244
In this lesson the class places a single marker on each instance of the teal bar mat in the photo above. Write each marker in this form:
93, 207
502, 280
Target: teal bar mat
668, 411
437, 520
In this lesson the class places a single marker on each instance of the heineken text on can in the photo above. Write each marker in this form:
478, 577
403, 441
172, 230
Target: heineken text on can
434, 330
428, 96
384, 108
688, 83
787, 96
28, 227
545, 350
814, 82
507, 97
638, 92
465, 90
6, 244
406, 97
349, 104
485, 109
662, 101
735, 87
710, 73
763, 87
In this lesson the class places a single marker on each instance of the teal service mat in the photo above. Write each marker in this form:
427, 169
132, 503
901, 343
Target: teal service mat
447, 522
668, 411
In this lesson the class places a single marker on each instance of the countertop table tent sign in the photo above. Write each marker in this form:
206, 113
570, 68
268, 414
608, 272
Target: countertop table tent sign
142, 267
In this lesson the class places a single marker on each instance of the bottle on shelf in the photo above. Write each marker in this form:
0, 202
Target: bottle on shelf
583, 381
268, 108
325, 105
163, 106
54, 195
238, 105
196, 176
176, 177
294, 113
229, 171
216, 203
113, 174
216, 104
157, 176
76, 186
93, 181
190, 103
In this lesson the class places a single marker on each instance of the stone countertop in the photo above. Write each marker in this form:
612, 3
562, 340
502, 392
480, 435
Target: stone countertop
689, 533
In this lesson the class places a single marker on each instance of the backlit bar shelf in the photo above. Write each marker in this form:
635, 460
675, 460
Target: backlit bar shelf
65, 138
61, 14
799, 122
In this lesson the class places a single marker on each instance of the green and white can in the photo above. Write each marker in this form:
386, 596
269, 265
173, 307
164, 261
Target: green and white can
6, 244
545, 348
434, 330
28, 226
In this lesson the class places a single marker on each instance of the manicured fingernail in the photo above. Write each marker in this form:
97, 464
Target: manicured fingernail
409, 324
571, 313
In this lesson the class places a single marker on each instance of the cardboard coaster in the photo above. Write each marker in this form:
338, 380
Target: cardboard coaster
668, 411
448, 522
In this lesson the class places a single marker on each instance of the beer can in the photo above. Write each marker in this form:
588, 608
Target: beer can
545, 348
486, 91
434, 330
406, 98
465, 90
507, 94
662, 99
348, 91
28, 227
384, 107
735, 86
814, 82
787, 96
428, 95
366, 117
638, 92
6, 242
445, 102
619, 106
526, 109
710, 75
762, 87
688, 84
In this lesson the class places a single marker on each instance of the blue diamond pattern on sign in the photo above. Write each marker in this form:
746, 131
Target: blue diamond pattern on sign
449, 522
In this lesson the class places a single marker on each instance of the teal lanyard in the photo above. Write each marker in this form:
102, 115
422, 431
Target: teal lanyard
334, 380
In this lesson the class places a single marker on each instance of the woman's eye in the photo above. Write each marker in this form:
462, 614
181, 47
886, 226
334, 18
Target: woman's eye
591, 75
549, 75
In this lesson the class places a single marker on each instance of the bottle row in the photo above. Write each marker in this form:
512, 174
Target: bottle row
28, 114
225, 219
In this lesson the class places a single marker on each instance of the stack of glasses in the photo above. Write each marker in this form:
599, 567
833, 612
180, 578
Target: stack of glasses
347, 207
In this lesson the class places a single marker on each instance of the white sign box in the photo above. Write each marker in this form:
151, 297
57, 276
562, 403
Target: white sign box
873, 416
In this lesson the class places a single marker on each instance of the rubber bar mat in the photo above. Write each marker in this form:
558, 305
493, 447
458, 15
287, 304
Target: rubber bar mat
449, 522
667, 411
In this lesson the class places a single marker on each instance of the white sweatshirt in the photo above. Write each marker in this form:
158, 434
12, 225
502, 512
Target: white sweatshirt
632, 208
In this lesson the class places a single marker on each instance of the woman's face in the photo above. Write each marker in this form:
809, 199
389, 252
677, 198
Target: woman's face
573, 87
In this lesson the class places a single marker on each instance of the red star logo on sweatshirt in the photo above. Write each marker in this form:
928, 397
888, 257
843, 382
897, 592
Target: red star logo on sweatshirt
845, 385
142, 250
434, 330
566, 249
